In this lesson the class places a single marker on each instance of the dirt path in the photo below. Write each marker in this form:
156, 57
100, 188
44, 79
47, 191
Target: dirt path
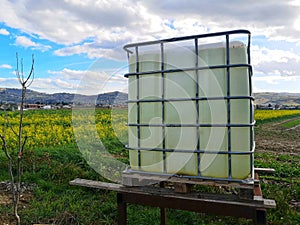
274, 137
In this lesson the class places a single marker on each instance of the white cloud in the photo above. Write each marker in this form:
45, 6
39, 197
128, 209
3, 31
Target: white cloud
93, 81
297, 24
271, 18
276, 83
99, 29
9, 83
48, 85
70, 22
90, 82
4, 31
276, 79
94, 50
70, 74
24, 41
27, 43
84, 26
5, 66
274, 61
259, 53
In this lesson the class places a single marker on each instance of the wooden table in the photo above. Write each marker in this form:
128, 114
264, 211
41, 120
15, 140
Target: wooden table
219, 204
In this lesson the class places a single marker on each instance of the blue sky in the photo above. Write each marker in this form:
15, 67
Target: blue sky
77, 44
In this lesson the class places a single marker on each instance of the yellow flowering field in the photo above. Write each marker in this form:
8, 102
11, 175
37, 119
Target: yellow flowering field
43, 128
55, 127
267, 115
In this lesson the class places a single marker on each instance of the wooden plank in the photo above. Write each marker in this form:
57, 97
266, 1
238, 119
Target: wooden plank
167, 193
245, 193
264, 170
269, 203
257, 189
182, 187
96, 184
136, 179
217, 207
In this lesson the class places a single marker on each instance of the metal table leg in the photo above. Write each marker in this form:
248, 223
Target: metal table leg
163, 216
122, 210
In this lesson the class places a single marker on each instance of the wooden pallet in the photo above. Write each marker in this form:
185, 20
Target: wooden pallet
245, 190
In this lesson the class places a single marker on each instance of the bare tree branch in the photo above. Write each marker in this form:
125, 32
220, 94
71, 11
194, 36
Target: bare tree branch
30, 74
12, 129
17, 70
25, 83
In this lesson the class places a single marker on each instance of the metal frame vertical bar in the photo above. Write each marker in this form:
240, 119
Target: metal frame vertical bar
138, 106
163, 105
197, 104
228, 106
251, 119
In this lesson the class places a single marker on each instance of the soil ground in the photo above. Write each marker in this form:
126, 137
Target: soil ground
278, 139
6, 200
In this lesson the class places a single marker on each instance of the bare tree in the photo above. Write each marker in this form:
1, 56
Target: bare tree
25, 82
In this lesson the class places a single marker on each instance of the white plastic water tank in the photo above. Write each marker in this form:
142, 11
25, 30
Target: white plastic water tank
174, 113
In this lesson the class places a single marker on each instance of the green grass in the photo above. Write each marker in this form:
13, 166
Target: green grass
55, 201
283, 186
286, 166
291, 124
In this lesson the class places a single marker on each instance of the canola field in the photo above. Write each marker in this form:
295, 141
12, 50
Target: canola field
271, 115
56, 127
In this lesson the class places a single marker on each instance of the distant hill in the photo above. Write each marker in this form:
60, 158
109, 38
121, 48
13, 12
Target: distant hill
11, 95
273, 98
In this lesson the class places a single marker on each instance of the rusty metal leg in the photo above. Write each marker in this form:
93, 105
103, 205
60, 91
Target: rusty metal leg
260, 217
122, 210
163, 216
163, 211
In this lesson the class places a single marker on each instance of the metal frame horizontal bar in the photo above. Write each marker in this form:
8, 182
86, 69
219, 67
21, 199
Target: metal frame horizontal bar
240, 31
190, 125
192, 99
191, 151
170, 71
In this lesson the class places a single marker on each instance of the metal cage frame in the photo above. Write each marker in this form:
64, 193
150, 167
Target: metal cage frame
134, 48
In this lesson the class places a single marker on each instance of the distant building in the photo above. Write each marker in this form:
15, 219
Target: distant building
8, 107
67, 107
30, 106
47, 107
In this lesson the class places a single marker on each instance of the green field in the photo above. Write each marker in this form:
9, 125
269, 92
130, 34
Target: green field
291, 124
52, 159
